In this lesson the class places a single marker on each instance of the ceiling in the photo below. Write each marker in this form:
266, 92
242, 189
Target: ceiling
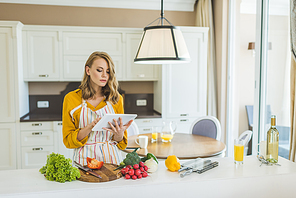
172, 5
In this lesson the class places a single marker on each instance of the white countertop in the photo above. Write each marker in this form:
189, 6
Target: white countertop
226, 180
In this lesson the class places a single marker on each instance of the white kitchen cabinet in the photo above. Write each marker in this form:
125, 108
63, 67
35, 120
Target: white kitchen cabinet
68, 153
7, 85
8, 146
137, 71
38, 139
183, 87
41, 52
146, 125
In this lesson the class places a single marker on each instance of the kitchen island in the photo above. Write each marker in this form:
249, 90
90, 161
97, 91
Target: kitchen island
226, 180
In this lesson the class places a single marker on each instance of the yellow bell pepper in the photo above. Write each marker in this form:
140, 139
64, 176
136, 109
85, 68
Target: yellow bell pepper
172, 163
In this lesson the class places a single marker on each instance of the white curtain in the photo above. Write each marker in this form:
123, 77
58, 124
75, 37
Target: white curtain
204, 18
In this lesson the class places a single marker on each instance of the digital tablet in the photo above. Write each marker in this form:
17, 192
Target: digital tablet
109, 118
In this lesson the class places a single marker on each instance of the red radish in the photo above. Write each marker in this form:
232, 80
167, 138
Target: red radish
140, 176
127, 176
131, 172
123, 171
126, 169
134, 177
145, 168
136, 166
129, 166
142, 169
141, 164
144, 174
137, 172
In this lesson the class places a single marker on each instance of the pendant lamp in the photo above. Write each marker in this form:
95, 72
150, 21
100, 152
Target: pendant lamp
162, 44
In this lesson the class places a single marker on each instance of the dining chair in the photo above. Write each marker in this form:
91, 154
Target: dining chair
133, 129
208, 126
245, 137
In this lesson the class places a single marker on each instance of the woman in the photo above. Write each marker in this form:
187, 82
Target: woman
83, 108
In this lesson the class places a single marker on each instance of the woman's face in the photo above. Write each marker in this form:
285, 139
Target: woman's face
99, 72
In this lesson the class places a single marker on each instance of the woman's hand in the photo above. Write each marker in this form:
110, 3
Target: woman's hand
86, 130
118, 130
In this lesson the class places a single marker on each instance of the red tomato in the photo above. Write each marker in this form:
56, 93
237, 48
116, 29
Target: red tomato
131, 172
129, 166
136, 166
137, 172
144, 174
145, 168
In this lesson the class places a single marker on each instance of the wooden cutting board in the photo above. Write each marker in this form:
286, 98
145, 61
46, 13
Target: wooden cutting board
106, 172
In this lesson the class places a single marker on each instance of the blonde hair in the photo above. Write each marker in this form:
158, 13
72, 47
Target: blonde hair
110, 90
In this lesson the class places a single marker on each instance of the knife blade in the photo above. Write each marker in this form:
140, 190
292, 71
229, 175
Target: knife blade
88, 170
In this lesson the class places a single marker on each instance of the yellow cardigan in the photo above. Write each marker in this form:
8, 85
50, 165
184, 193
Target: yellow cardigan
71, 127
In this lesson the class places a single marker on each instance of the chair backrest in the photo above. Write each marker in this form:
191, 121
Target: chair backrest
132, 129
208, 126
246, 136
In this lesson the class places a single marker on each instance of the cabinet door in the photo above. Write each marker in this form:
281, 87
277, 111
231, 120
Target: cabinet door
68, 153
7, 147
35, 156
137, 71
7, 99
74, 67
43, 56
185, 85
76, 43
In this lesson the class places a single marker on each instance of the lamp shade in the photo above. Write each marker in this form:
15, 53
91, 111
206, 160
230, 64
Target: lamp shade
162, 45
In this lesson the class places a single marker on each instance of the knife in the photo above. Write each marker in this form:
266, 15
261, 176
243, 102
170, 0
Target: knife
88, 170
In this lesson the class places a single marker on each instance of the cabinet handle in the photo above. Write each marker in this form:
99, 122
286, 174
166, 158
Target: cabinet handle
141, 75
37, 133
44, 75
184, 120
60, 124
37, 124
184, 114
146, 129
147, 120
37, 149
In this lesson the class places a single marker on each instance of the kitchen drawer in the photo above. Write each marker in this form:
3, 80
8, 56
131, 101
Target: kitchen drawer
35, 157
33, 126
149, 122
36, 138
146, 129
183, 124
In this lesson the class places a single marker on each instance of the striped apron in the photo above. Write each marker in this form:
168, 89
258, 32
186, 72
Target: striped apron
99, 144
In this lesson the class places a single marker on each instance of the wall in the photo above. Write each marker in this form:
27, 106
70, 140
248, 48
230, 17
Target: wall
86, 16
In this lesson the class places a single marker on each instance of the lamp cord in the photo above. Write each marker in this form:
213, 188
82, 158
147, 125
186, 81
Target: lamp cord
161, 14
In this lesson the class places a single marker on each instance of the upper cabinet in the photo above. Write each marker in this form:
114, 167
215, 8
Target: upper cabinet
54, 53
42, 56
7, 109
137, 71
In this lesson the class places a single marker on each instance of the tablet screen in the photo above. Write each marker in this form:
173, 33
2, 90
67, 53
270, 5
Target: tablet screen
109, 118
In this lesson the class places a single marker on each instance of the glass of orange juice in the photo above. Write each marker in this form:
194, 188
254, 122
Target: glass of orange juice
238, 151
154, 134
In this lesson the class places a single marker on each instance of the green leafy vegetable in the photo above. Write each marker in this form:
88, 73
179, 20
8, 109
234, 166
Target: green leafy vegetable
59, 169
132, 158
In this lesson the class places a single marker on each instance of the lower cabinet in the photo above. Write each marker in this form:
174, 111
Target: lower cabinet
68, 153
7, 146
38, 140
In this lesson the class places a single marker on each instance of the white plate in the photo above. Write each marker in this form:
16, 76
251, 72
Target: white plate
109, 118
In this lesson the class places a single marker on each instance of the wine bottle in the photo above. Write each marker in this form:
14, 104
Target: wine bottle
272, 142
